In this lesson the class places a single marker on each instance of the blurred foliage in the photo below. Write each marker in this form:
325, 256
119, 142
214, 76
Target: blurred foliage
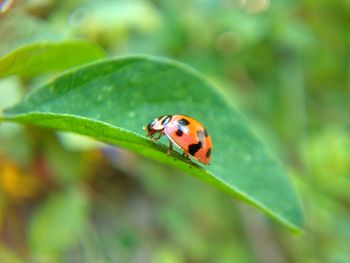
35, 59
285, 63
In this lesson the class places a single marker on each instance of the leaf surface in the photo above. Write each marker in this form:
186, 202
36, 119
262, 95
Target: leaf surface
113, 99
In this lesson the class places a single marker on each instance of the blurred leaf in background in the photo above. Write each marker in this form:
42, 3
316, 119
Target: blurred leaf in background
60, 218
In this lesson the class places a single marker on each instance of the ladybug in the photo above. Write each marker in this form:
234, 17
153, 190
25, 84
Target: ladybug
185, 132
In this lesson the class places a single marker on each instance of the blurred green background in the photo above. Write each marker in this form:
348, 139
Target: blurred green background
286, 64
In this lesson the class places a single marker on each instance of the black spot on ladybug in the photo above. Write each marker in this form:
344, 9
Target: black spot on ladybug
200, 135
208, 153
193, 148
205, 132
183, 122
179, 133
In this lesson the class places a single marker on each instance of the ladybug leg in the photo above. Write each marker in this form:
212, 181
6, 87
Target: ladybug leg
157, 138
186, 155
170, 148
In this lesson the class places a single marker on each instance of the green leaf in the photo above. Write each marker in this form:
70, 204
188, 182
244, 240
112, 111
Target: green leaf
58, 222
43, 57
113, 99
18, 29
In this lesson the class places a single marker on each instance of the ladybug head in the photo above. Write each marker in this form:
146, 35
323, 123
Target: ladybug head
157, 125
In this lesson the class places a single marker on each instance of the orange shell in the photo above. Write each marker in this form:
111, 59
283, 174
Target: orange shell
190, 136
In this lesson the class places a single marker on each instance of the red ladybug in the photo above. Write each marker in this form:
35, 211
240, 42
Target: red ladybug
186, 133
